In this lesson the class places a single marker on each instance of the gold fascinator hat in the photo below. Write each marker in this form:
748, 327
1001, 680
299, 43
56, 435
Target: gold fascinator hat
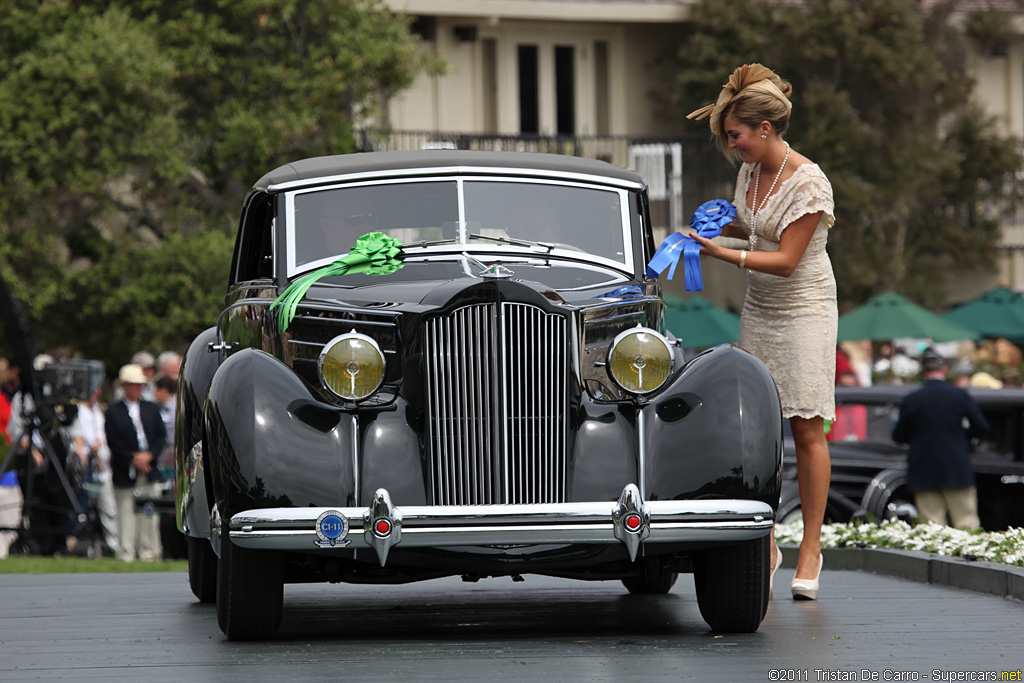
749, 78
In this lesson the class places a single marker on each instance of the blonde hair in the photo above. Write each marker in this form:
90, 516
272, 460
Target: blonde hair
753, 93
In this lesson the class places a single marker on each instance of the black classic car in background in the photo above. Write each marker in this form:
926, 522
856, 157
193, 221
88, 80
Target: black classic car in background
869, 470
506, 402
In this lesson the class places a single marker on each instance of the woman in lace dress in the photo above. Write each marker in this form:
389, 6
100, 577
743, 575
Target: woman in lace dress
789, 320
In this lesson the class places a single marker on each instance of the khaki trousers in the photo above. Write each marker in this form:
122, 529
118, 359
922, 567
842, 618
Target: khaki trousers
106, 505
961, 504
138, 533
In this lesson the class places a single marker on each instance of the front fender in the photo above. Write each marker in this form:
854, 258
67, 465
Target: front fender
270, 441
197, 369
716, 431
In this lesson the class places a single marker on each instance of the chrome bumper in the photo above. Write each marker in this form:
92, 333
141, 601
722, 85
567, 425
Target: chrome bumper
383, 526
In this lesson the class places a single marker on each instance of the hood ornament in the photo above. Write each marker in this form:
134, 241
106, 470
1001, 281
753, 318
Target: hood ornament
496, 272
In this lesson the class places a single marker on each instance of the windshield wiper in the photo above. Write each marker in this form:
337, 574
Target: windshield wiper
514, 240
428, 243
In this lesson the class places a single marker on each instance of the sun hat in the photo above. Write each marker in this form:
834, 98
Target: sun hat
984, 380
131, 374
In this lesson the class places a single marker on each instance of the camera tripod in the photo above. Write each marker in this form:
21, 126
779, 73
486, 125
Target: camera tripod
52, 509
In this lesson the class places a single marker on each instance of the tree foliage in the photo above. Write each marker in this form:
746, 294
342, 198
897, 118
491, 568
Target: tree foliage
132, 131
883, 103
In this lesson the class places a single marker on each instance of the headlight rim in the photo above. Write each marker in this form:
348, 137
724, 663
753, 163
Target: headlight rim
345, 337
634, 330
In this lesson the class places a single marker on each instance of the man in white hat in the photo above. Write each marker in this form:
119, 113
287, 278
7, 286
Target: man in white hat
135, 435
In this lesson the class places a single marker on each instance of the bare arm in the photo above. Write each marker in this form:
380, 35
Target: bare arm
734, 231
783, 262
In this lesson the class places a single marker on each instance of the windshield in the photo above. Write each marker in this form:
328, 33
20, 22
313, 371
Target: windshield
578, 218
486, 215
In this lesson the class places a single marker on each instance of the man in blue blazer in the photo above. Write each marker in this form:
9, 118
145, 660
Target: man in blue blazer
135, 435
938, 421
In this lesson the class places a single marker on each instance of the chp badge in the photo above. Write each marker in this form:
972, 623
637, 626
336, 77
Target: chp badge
331, 530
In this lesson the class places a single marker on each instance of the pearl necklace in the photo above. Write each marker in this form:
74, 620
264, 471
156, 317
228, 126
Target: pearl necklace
757, 177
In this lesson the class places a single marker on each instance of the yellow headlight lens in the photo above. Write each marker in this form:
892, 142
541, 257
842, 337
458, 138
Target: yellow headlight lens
352, 366
640, 360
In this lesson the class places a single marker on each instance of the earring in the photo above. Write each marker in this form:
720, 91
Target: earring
764, 135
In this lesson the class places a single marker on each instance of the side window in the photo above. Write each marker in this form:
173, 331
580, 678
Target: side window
254, 255
1001, 439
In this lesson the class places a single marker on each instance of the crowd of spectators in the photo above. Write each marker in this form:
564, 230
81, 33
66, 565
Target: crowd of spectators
107, 450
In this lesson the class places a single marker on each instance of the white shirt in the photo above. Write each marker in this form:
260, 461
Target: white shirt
136, 415
90, 426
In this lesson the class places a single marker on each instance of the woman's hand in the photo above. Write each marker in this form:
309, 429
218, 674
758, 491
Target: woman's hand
708, 247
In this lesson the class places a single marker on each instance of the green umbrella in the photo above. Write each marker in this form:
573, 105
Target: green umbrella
890, 316
698, 323
999, 313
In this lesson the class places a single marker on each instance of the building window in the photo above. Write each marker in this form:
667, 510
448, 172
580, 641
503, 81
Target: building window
565, 89
489, 84
601, 100
529, 105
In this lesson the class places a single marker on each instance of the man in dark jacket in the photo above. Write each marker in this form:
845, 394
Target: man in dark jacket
135, 435
938, 421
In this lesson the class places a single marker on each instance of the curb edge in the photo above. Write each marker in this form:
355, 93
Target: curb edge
992, 578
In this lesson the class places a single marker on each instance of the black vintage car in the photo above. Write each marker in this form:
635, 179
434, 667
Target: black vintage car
499, 398
869, 470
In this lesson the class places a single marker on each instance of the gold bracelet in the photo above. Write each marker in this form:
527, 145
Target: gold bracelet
743, 260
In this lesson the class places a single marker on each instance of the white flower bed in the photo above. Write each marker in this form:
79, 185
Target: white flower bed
1005, 546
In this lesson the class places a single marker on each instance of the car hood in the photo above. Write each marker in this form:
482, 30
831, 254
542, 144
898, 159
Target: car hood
432, 284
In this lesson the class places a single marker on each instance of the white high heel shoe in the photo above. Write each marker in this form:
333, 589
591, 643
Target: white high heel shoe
807, 589
771, 577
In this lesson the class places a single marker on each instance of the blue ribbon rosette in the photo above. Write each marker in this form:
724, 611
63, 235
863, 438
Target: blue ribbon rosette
707, 221
623, 292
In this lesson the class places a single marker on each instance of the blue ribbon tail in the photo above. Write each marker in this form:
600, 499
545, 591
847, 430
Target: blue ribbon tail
694, 276
667, 256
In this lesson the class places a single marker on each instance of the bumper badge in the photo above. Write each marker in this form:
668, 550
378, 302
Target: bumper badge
331, 530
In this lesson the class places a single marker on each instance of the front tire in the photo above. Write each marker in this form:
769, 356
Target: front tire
732, 585
202, 569
887, 497
250, 591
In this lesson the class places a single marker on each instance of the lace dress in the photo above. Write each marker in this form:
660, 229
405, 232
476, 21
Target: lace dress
791, 323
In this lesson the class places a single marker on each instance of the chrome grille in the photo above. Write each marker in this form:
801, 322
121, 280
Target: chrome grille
497, 405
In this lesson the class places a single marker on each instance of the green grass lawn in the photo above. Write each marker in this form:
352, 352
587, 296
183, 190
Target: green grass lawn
30, 564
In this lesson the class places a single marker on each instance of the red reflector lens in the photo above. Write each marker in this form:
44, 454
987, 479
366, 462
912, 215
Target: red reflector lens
383, 527
632, 522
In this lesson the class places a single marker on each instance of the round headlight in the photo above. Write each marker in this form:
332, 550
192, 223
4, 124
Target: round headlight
640, 360
352, 366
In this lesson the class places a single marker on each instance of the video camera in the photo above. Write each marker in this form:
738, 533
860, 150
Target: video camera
68, 381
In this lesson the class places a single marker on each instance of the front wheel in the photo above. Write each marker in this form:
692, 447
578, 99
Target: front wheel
887, 497
250, 591
732, 585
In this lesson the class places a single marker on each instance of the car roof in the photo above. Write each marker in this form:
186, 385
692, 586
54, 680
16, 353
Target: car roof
383, 162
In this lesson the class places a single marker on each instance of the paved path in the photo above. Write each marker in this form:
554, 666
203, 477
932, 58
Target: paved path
147, 627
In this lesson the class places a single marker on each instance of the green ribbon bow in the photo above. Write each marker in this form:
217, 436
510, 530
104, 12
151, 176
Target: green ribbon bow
374, 254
